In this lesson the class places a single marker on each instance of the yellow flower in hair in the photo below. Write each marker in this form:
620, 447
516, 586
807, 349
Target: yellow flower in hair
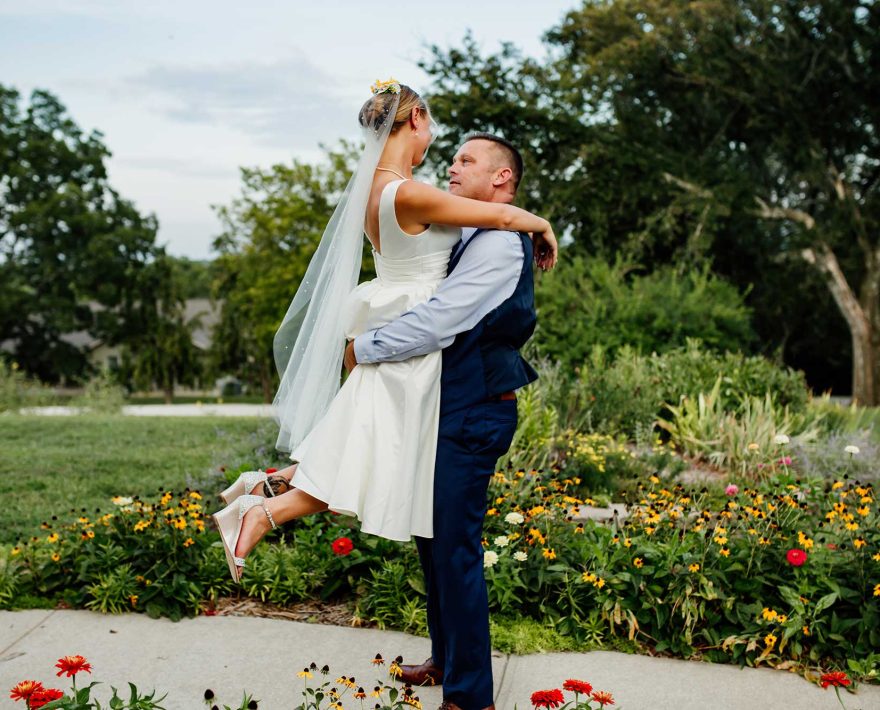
390, 86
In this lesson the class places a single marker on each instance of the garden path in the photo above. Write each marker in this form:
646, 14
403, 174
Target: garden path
231, 654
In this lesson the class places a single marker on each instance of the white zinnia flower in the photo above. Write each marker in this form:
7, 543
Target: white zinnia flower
501, 541
852, 449
782, 439
490, 557
514, 518
520, 556
122, 500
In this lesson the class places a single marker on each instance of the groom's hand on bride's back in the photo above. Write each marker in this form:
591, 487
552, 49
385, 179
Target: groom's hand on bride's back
350, 358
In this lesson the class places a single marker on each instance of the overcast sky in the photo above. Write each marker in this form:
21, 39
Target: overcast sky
185, 92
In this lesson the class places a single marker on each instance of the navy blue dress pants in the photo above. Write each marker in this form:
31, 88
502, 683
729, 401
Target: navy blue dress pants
469, 444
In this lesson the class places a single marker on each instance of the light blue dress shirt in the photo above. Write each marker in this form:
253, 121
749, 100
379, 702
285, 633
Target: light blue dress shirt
485, 277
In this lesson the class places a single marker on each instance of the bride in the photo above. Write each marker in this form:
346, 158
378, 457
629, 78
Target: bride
366, 449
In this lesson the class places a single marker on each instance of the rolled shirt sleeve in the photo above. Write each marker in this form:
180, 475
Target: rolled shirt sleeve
485, 277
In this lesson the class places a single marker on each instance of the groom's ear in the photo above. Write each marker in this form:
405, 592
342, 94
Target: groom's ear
502, 176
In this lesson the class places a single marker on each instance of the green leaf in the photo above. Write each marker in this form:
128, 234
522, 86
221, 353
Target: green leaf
825, 602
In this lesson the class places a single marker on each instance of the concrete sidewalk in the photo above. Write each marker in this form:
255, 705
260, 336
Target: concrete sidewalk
232, 654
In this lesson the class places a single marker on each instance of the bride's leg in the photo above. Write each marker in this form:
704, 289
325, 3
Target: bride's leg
293, 504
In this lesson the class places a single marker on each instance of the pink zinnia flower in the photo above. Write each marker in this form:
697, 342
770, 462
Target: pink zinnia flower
796, 557
785, 460
732, 489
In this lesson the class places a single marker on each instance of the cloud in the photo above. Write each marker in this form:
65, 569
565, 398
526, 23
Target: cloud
179, 166
289, 102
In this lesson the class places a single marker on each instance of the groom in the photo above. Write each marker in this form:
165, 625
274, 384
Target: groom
480, 316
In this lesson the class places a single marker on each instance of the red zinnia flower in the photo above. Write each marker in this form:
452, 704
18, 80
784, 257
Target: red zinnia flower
577, 686
342, 545
796, 557
834, 678
270, 470
547, 698
603, 697
45, 696
25, 689
73, 665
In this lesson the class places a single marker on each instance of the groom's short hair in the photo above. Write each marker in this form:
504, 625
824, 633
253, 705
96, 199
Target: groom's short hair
511, 155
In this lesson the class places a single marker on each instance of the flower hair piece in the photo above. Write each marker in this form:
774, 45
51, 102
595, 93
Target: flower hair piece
381, 87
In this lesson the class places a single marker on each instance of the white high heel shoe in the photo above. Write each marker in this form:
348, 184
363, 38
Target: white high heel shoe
229, 522
243, 484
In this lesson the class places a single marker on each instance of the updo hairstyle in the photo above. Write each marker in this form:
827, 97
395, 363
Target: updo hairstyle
375, 109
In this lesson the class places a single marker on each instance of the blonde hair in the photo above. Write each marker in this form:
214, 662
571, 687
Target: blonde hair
376, 108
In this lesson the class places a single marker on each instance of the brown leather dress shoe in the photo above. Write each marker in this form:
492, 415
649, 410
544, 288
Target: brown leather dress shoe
424, 674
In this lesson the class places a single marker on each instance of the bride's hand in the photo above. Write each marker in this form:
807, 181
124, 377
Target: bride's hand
350, 358
546, 248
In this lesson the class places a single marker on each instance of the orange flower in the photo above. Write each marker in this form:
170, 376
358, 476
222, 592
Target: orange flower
603, 697
25, 689
73, 665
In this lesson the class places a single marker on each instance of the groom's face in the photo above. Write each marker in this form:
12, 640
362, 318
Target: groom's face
473, 170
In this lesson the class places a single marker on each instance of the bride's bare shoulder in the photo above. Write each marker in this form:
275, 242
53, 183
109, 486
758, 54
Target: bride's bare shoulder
412, 191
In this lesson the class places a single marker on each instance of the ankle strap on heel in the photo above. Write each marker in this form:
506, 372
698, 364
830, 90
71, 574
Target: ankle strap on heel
269, 514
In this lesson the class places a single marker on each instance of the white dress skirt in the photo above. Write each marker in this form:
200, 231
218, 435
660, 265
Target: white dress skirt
372, 454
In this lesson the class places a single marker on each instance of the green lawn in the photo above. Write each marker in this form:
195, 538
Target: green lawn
49, 465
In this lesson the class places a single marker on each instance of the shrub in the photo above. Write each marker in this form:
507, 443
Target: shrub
102, 394
691, 369
17, 390
626, 394
592, 302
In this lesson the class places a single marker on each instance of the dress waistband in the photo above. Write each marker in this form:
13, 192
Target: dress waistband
428, 267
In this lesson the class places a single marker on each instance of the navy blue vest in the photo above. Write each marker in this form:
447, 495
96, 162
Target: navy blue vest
485, 360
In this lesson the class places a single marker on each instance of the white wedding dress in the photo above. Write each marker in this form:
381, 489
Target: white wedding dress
372, 454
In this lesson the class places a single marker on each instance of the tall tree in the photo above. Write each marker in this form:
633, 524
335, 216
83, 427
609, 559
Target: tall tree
160, 351
66, 237
744, 131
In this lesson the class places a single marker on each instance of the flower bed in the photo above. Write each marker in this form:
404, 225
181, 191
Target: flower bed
783, 573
